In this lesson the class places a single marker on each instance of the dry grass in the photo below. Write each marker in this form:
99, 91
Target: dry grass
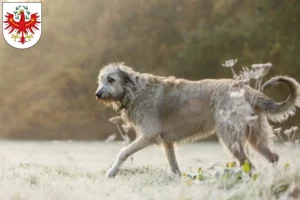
75, 170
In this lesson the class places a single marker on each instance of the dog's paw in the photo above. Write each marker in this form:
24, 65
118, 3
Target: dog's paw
274, 158
111, 173
175, 172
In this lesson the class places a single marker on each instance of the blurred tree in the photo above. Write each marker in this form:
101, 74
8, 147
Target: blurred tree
47, 91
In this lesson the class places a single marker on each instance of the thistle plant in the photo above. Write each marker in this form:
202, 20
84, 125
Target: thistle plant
245, 76
119, 123
290, 134
230, 64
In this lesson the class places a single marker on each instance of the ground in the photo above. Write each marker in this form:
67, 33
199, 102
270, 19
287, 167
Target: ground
76, 170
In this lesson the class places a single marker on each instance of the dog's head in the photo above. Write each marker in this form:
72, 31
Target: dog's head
115, 82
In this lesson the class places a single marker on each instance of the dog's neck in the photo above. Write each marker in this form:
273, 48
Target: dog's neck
124, 102
127, 97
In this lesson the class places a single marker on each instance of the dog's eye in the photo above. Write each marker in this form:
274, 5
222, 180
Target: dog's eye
110, 80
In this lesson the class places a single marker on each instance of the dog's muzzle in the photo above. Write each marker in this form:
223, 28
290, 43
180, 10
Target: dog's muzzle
99, 94
102, 94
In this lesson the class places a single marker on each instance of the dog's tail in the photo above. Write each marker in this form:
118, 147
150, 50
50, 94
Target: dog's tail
280, 111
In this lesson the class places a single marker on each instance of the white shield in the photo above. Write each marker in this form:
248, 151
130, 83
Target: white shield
22, 24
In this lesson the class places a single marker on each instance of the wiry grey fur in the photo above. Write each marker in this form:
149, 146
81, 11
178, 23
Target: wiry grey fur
165, 110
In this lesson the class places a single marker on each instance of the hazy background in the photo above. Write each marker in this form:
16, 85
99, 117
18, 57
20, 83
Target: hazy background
47, 92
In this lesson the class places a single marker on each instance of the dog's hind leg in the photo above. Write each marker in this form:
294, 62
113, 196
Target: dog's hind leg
259, 145
170, 152
258, 138
234, 141
140, 143
237, 149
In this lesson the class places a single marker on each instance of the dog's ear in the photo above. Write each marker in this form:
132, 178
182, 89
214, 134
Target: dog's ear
127, 78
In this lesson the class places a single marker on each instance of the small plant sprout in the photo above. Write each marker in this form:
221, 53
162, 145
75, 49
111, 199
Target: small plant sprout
287, 165
199, 169
255, 176
200, 175
231, 164
246, 167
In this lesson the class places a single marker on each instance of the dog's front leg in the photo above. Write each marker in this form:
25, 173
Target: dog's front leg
138, 144
170, 152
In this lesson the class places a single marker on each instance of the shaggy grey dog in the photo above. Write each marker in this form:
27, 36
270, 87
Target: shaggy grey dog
165, 110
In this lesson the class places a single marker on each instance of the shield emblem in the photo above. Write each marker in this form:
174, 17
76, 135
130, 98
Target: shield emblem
22, 23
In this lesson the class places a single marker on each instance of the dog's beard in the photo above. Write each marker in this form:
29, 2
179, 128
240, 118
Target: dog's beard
107, 102
110, 102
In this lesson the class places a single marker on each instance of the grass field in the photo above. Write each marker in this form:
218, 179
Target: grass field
76, 170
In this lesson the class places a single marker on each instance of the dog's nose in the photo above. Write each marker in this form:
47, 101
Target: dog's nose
98, 94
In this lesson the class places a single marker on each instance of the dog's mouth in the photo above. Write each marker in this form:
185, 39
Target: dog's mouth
106, 99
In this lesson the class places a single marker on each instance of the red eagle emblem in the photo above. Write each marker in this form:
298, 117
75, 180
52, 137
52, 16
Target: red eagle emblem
23, 27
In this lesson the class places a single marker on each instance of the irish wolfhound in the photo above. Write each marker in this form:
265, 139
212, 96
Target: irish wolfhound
165, 110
